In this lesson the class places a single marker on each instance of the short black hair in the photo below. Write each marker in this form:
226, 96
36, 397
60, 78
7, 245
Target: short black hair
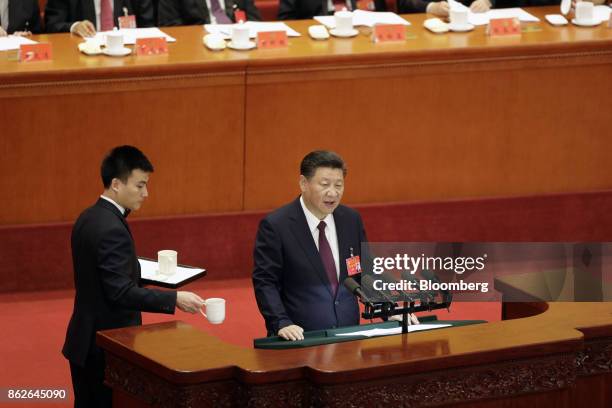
321, 158
120, 162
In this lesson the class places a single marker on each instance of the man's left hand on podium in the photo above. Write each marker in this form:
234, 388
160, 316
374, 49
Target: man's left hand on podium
412, 318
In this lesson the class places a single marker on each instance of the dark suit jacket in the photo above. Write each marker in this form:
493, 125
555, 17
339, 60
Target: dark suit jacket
420, 6
305, 9
192, 12
291, 286
106, 279
61, 14
525, 3
24, 15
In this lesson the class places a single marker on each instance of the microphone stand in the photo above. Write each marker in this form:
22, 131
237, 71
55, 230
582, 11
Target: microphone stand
417, 302
422, 302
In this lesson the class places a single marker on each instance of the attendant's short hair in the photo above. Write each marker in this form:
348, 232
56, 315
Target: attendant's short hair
321, 158
120, 162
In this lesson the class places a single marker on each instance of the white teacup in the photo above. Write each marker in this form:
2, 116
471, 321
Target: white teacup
167, 261
584, 11
458, 17
215, 310
240, 34
114, 41
344, 21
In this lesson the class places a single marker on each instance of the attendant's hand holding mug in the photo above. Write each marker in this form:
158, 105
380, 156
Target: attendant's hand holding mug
215, 310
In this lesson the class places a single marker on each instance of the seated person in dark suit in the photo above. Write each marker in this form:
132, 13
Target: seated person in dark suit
192, 12
301, 251
440, 8
305, 9
19, 17
85, 17
529, 3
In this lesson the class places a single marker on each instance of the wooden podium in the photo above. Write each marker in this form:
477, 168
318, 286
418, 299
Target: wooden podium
550, 355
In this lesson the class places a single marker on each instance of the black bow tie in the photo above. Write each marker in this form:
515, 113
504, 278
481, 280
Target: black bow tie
126, 213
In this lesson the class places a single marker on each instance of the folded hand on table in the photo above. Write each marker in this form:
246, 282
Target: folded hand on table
480, 6
84, 28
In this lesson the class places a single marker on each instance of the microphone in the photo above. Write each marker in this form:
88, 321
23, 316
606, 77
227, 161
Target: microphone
425, 296
447, 297
369, 281
404, 294
354, 287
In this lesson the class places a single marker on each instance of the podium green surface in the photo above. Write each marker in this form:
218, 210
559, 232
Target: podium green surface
330, 336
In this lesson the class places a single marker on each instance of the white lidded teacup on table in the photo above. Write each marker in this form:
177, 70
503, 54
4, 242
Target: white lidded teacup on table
240, 35
585, 12
458, 17
114, 41
344, 21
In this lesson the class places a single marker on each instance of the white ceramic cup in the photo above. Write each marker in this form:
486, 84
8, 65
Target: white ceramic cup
584, 11
167, 261
114, 41
344, 21
215, 310
240, 34
459, 17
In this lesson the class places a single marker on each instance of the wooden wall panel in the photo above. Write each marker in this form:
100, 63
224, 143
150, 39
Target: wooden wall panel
51, 160
434, 118
417, 132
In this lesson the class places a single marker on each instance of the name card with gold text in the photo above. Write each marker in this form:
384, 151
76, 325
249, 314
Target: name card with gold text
499, 27
388, 32
151, 46
35, 52
272, 39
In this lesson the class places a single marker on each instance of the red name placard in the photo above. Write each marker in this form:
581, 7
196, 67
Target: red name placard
504, 26
272, 39
127, 22
151, 46
389, 32
35, 52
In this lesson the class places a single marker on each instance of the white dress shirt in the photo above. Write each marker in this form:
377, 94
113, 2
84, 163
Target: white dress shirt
331, 6
4, 14
330, 233
120, 208
213, 19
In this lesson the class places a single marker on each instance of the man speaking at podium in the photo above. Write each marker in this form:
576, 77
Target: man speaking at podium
107, 274
301, 251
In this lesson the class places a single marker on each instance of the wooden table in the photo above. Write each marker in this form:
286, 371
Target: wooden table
436, 117
556, 355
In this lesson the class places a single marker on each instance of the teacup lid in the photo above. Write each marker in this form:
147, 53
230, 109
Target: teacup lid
565, 6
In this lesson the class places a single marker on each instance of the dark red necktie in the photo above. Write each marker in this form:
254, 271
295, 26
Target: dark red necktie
339, 5
106, 15
217, 11
328, 259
